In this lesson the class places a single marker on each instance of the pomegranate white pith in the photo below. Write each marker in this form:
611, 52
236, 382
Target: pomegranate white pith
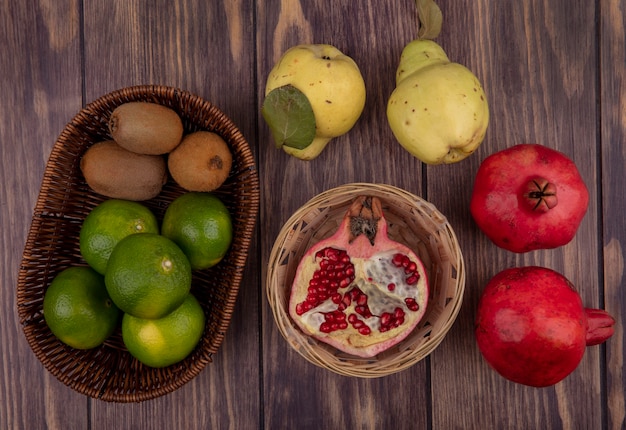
358, 290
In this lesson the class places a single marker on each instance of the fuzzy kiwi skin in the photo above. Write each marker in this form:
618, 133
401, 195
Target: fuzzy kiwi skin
146, 128
201, 162
117, 173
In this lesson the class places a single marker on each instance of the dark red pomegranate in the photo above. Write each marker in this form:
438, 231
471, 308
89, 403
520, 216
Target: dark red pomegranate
532, 328
529, 197
358, 290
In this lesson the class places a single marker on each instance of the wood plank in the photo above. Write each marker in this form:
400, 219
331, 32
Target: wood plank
40, 87
206, 48
613, 137
539, 71
296, 393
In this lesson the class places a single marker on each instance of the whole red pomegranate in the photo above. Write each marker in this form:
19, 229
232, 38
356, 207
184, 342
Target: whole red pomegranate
358, 290
528, 197
532, 328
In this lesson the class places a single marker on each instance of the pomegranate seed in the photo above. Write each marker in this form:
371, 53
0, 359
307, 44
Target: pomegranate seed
345, 282
352, 318
346, 300
325, 328
396, 260
391, 286
412, 280
361, 300
364, 330
299, 309
385, 318
350, 270
343, 325
412, 267
398, 312
358, 324
336, 298
412, 304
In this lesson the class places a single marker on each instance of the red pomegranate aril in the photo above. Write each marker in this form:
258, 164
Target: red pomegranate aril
365, 330
411, 268
361, 300
412, 280
397, 260
411, 303
363, 310
391, 286
385, 318
346, 300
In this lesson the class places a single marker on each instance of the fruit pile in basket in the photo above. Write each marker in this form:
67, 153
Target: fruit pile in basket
139, 270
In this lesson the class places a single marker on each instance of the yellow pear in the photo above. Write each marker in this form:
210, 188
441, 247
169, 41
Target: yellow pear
333, 85
438, 110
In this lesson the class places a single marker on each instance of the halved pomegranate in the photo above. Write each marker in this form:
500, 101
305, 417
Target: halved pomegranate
358, 290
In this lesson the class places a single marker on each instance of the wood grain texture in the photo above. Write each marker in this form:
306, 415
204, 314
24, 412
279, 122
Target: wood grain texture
37, 101
551, 77
611, 188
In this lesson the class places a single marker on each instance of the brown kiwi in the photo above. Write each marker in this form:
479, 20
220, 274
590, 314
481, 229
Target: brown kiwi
115, 172
146, 128
201, 162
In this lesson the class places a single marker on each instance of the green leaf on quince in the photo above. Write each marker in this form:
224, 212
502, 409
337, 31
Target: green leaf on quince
290, 117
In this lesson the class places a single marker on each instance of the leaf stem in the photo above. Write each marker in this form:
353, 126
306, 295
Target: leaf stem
430, 19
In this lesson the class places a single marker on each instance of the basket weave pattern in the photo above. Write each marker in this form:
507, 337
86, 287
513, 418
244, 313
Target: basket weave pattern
413, 222
109, 372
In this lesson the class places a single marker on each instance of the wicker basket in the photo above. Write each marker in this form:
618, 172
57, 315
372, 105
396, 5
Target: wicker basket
412, 221
109, 372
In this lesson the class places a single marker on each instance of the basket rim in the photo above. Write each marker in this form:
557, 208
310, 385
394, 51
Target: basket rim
207, 112
317, 352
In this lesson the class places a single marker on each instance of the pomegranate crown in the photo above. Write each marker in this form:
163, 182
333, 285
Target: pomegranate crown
364, 214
